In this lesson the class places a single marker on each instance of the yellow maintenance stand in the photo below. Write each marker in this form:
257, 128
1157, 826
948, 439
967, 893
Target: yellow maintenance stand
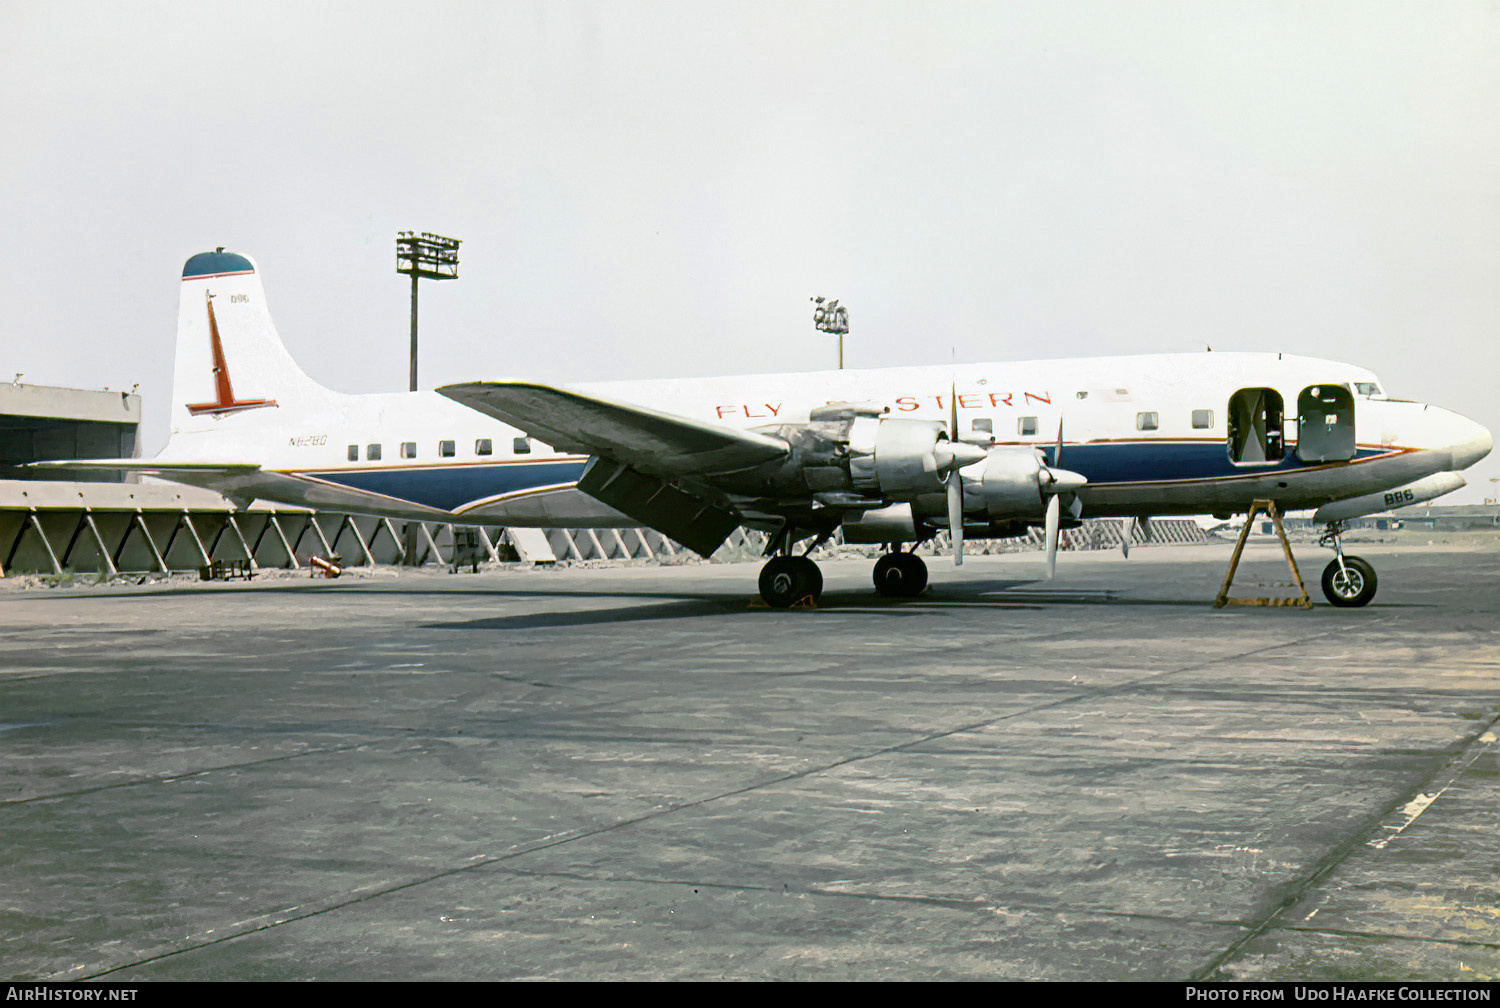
1300, 601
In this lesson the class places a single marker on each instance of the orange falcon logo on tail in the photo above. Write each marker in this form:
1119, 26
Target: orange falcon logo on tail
226, 402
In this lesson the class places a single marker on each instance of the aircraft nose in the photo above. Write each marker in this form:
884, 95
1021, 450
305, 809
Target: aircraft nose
1474, 443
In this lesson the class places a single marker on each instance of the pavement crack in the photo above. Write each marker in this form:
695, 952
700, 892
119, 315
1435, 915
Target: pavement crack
1446, 772
170, 778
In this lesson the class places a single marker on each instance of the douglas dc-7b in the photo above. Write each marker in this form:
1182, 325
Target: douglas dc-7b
889, 456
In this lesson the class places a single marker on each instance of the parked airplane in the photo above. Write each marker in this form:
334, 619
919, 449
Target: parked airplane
890, 456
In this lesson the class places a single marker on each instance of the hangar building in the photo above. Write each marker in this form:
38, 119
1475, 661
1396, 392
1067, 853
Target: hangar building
38, 422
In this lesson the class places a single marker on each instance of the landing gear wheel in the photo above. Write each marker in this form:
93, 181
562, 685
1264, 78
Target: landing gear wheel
814, 576
1353, 586
787, 580
900, 575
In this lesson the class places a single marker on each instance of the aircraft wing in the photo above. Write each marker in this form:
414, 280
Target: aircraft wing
649, 441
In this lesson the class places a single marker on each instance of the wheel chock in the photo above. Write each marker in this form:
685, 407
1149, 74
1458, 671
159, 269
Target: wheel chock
804, 603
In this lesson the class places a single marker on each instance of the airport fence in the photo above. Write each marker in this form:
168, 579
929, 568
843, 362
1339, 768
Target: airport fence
127, 529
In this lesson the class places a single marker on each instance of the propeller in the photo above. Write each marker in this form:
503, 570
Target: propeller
1059, 481
1054, 513
955, 480
1142, 522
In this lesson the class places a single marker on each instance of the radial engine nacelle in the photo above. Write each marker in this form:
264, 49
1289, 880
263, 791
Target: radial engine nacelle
853, 456
878, 470
901, 459
1016, 482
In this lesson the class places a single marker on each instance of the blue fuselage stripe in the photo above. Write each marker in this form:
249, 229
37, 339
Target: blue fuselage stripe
1106, 463
450, 487
1103, 463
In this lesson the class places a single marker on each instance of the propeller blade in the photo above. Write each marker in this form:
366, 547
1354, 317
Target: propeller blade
956, 516
1127, 529
953, 405
959, 455
1054, 514
1057, 452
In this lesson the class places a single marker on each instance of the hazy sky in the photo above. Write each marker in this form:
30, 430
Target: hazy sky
656, 189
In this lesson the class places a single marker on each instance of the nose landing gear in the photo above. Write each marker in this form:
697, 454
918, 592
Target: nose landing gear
1348, 581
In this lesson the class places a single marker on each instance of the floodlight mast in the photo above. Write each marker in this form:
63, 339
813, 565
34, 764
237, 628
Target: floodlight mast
830, 318
435, 257
424, 255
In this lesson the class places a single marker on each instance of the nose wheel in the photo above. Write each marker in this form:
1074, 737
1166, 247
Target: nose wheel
900, 575
1349, 585
1348, 581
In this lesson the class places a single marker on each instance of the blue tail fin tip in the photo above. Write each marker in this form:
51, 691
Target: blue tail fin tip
219, 263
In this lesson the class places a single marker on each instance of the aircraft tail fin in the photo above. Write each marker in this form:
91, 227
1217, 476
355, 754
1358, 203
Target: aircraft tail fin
230, 361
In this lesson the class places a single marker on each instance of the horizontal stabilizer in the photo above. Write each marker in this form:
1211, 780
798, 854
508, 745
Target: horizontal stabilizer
243, 482
653, 442
147, 466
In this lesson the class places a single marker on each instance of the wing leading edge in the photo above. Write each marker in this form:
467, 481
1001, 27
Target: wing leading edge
649, 441
655, 467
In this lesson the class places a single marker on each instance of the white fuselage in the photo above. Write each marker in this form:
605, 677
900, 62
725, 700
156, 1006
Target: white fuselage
1149, 432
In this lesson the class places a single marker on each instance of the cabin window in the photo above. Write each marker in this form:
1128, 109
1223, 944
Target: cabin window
1325, 423
445, 449
1026, 426
521, 446
985, 426
1081, 395
1203, 419
483, 446
1146, 421
372, 453
408, 449
354, 453
1255, 422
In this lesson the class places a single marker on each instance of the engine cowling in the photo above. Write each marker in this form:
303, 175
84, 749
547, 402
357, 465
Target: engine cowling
1016, 482
893, 523
900, 459
851, 456
1011, 482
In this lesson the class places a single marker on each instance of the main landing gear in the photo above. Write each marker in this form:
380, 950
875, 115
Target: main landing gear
1348, 581
900, 575
788, 580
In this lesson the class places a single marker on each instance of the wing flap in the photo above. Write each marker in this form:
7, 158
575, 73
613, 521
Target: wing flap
699, 525
647, 440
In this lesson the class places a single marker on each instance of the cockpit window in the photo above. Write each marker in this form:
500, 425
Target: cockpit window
1367, 389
